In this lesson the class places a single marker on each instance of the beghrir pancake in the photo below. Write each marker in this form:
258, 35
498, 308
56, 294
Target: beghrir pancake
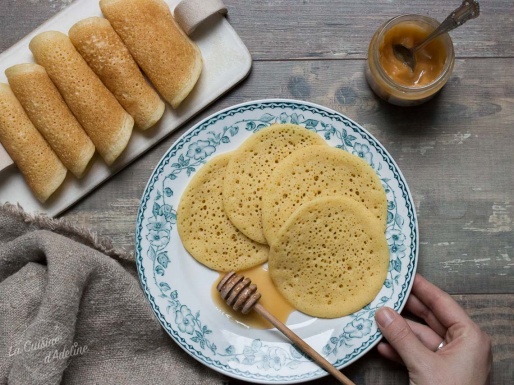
41, 168
318, 171
107, 124
330, 258
204, 228
101, 47
49, 113
172, 62
250, 168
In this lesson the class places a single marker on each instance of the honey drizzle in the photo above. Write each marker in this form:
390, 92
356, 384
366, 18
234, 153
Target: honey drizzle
271, 299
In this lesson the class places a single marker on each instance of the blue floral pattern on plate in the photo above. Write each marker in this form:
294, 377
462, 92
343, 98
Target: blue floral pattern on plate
178, 287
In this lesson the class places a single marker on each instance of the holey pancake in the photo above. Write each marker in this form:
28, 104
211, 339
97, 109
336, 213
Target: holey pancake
102, 48
171, 60
251, 167
319, 171
49, 113
107, 124
204, 228
41, 168
331, 257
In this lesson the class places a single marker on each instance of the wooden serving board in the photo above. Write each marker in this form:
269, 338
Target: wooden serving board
226, 62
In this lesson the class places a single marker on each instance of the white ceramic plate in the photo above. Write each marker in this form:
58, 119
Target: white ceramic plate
226, 62
179, 288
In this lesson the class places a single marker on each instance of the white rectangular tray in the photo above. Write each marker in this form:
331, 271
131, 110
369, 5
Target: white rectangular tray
226, 62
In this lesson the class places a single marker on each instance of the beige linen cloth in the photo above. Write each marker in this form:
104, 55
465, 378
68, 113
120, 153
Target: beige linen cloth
72, 312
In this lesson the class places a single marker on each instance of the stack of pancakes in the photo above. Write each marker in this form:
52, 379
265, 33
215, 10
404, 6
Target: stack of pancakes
316, 213
87, 90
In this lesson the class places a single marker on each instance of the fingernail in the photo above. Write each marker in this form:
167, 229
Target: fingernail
384, 316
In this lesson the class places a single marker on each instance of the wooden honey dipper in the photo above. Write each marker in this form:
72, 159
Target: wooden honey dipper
241, 295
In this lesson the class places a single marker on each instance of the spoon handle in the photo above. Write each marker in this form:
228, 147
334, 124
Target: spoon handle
469, 9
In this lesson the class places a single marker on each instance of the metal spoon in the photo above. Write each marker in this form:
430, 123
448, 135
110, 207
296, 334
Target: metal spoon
469, 9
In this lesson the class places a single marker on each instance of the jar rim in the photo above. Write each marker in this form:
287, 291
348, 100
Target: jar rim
448, 65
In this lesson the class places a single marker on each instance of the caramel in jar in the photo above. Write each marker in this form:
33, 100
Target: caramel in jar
429, 59
393, 80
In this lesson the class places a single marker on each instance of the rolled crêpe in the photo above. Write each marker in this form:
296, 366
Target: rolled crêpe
49, 113
103, 118
109, 58
39, 165
171, 61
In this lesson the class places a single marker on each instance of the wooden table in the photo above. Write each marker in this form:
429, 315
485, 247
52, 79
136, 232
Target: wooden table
456, 151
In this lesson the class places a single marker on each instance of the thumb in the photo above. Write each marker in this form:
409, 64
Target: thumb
399, 334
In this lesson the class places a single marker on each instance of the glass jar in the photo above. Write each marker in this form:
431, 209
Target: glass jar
391, 90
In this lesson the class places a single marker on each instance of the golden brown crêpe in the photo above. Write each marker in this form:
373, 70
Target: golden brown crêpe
41, 168
49, 113
205, 230
97, 42
171, 61
250, 169
331, 257
107, 124
319, 171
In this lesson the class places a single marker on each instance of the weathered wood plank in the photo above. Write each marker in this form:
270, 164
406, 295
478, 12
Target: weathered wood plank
289, 29
495, 315
19, 18
455, 152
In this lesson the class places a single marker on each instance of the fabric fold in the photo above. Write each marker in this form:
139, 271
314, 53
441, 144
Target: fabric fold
70, 314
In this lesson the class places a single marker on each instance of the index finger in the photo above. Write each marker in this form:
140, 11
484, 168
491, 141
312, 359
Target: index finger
444, 307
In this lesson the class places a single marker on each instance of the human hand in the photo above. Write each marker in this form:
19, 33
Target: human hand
465, 357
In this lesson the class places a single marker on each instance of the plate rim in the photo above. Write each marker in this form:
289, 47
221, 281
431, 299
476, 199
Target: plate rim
367, 346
